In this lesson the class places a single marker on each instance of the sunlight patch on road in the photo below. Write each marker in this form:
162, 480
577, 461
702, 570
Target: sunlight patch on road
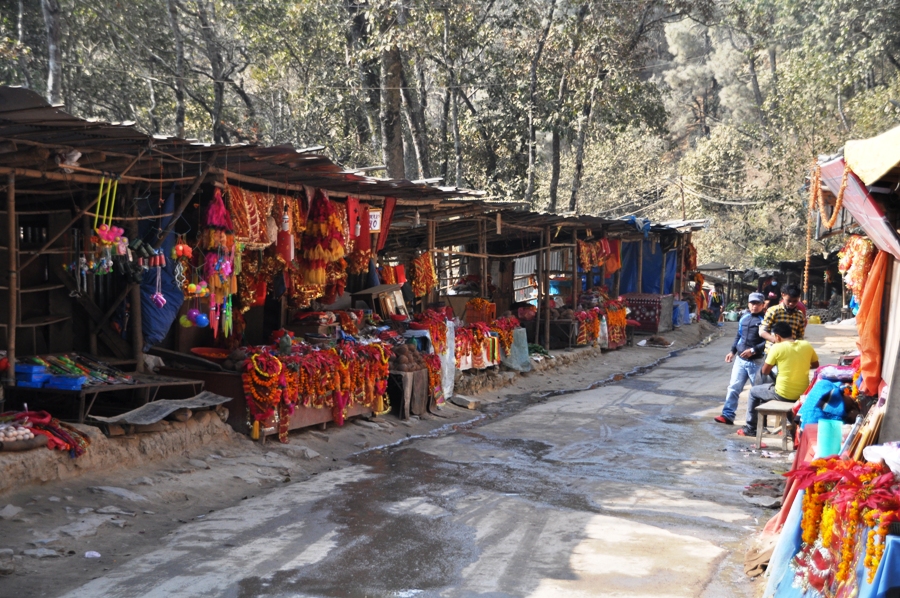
624, 558
672, 502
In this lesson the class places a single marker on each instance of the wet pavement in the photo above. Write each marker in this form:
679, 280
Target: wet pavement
626, 489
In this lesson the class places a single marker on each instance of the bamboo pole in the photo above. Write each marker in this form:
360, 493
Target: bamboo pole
540, 291
12, 231
482, 264
640, 276
207, 166
576, 279
432, 231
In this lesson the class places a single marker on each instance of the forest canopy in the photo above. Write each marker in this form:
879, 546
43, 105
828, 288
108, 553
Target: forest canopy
665, 109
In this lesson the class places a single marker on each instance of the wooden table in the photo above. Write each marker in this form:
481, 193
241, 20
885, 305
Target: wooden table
780, 409
148, 384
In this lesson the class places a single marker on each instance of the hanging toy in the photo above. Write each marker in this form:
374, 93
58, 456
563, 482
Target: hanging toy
158, 298
214, 314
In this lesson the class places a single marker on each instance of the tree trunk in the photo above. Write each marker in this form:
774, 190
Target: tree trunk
415, 119
20, 46
445, 121
557, 120
391, 126
532, 136
584, 123
457, 143
491, 167
368, 75
757, 92
217, 68
53, 28
179, 67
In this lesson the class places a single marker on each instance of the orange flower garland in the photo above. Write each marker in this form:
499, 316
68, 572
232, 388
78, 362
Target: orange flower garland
841, 496
323, 240
424, 278
504, 328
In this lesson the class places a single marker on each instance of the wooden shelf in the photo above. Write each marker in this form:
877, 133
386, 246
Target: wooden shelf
39, 321
50, 286
52, 250
39, 212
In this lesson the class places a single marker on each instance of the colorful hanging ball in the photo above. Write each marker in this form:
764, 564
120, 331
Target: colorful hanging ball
192, 288
204, 284
192, 315
179, 250
183, 320
188, 252
202, 320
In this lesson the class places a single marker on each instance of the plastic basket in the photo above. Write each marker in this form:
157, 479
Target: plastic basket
32, 377
488, 314
30, 368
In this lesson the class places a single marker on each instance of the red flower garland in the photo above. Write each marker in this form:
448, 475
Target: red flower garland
323, 240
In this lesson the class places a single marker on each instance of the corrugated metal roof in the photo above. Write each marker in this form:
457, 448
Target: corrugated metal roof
33, 134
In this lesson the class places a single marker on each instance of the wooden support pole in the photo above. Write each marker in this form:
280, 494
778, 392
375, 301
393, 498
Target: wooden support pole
482, 264
576, 279
640, 274
137, 316
12, 316
186, 200
430, 297
547, 286
540, 291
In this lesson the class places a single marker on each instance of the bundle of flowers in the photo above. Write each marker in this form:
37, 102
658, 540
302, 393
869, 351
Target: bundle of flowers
436, 322
616, 321
424, 276
588, 326
323, 240
845, 502
504, 327
856, 259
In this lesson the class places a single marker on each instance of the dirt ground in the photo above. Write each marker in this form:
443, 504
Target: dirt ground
128, 492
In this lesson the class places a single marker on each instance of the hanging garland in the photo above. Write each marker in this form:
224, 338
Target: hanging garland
504, 328
436, 322
323, 240
816, 197
616, 321
842, 496
424, 276
855, 261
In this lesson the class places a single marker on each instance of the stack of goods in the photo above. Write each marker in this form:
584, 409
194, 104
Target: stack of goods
407, 358
561, 314
480, 310
39, 428
66, 372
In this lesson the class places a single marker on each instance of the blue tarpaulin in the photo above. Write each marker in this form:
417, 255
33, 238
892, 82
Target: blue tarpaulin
652, 268
671, 268
629, 272
157, 320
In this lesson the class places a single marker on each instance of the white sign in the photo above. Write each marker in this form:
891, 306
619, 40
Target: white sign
374, 220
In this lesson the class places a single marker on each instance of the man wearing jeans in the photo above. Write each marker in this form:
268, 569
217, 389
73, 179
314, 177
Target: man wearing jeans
794, 359
746, 354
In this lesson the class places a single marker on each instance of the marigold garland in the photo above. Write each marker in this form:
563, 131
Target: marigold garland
504, 328
437, 328
424, 278
323, 240
842, 498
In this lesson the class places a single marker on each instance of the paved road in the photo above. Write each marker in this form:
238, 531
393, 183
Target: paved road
629, 489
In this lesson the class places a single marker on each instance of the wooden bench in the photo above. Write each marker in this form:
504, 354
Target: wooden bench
779, 409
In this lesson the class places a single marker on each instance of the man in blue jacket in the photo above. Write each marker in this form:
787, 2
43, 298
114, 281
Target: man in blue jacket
746, 354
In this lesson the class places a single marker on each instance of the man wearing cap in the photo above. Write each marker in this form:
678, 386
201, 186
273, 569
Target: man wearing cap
748, 347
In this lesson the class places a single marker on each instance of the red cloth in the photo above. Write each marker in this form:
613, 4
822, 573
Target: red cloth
353, 216
387, 215
364, 241
868, 324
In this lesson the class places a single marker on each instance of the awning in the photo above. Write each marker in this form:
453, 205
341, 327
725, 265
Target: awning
860, 204
871, 159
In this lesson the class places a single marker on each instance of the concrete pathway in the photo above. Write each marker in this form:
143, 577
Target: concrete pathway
629, 489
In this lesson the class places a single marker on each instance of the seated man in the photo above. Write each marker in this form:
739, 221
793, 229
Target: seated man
794, 359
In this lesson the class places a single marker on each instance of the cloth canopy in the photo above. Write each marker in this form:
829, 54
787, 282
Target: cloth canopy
870, 159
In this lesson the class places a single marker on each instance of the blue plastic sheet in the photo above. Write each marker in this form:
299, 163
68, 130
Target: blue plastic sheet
156, 321
652, 268
832, 408
628, 274
681, 314
671, 268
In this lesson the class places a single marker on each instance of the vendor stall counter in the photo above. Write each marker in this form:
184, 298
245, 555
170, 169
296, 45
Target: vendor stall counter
79, 403
229, 384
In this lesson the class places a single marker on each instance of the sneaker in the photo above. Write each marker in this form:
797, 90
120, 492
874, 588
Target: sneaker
720, 324
747, 431
724, 420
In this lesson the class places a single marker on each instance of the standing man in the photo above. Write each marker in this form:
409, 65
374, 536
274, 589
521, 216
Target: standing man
787, 311
746, 354
793, 358
716, 303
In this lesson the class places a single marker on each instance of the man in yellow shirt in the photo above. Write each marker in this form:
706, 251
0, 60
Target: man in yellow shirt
794, 359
